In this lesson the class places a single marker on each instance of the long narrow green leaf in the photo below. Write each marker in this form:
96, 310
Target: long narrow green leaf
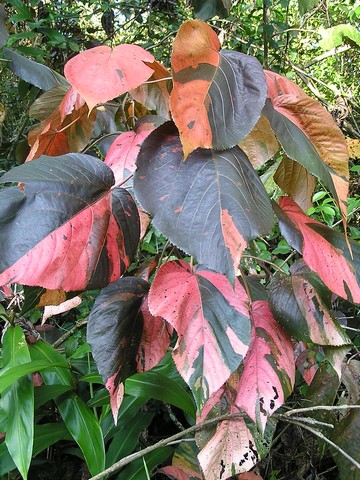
10, 375
136, 471
48, 434
45, 393
77, 417
18, 402
6, 462
154, 385
125, 440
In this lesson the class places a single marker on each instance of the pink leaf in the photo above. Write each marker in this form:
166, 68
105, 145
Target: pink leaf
101, 74
155, 340
211, 319
319, 254
269, 367
232, 448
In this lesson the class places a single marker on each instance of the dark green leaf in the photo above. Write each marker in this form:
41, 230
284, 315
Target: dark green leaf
45, 393
33, 72
125, 440
210, 8
136, 469
210, 206
347, 436
154, 385
48, 434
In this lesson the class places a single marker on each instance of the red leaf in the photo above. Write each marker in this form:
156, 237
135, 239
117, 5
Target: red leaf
269, 367
86, 233
211, 319
155, 340
328, 261
217, 97
101, 74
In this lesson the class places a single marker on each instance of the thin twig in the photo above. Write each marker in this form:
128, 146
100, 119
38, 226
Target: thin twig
68, 334
318, 407
162, 443
327, 440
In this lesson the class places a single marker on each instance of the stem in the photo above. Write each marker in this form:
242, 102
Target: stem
68, 334
99, 139
265, 261
327, 440
318, 407
162, 443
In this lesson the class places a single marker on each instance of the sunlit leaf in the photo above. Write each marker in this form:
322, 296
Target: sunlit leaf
296, 181
338, 35
86, 232
260, 144
269, 367
217, 97
101, 74
210, 206
211, 319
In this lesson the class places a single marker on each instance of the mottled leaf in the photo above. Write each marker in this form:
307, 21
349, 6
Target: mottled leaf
86, 232
269, 367
101, 74
309, 135
260, 144
211, 319
154, 94
217, 97
210, 206
330, 259
300, 309
229, 448
114, 332
296, 181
